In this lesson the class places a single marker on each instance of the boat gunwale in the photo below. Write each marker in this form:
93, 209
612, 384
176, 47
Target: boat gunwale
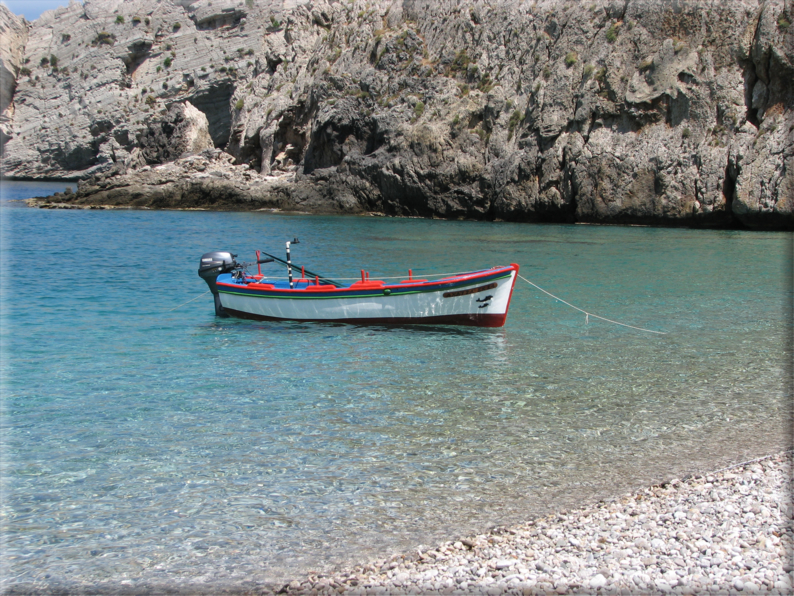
398, 289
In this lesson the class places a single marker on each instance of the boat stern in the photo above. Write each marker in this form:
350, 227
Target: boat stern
212, 265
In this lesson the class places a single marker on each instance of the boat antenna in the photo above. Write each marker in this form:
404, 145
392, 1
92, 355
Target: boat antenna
289, 266
310, 273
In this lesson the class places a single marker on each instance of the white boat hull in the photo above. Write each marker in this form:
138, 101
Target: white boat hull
479, 298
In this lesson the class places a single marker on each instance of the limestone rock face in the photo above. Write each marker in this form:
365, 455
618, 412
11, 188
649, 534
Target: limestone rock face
635, 111
183, 130
117, 67
13, 36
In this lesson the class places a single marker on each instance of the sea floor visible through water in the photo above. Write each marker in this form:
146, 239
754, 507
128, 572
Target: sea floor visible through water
147, 444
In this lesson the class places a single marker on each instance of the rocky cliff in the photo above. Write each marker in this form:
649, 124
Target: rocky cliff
633, 111
13, 37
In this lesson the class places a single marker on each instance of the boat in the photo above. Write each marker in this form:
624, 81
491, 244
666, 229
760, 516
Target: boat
474, 298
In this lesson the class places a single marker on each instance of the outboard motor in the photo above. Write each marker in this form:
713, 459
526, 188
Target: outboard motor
211, 266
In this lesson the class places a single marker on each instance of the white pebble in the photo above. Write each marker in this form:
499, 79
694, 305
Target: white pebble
599, 581
726, 535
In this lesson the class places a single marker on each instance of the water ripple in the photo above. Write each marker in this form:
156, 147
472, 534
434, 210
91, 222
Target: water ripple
144, 447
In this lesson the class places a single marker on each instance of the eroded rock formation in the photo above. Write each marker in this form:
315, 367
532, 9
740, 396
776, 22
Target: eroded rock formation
632, 111
184, 130
13, 36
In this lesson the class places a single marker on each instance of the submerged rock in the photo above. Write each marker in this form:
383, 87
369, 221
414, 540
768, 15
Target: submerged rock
637, 112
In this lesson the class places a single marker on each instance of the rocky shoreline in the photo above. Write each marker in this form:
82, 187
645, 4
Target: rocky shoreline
206, 180
725, 532
634, 112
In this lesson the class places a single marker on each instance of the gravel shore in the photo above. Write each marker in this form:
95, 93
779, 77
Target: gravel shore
726, 532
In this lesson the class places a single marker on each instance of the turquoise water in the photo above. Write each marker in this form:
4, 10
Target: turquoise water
149, 447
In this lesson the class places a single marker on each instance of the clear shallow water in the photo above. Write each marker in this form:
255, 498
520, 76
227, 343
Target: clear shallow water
150, 447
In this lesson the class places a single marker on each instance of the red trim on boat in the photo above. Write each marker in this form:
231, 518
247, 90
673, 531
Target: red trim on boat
419, 283
471, 320
369, 284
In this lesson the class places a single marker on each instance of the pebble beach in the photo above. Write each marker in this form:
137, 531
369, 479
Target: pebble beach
726, 532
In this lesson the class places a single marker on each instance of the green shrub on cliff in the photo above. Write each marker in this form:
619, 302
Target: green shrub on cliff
601, 74
104, 38
419, 109
612, 32
120, 20
485, 84
239, 105
783, 22
515, 119
461, 62
571, 58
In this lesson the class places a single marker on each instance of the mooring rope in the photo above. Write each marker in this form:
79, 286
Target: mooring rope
589, 314
752, 461
191, 300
